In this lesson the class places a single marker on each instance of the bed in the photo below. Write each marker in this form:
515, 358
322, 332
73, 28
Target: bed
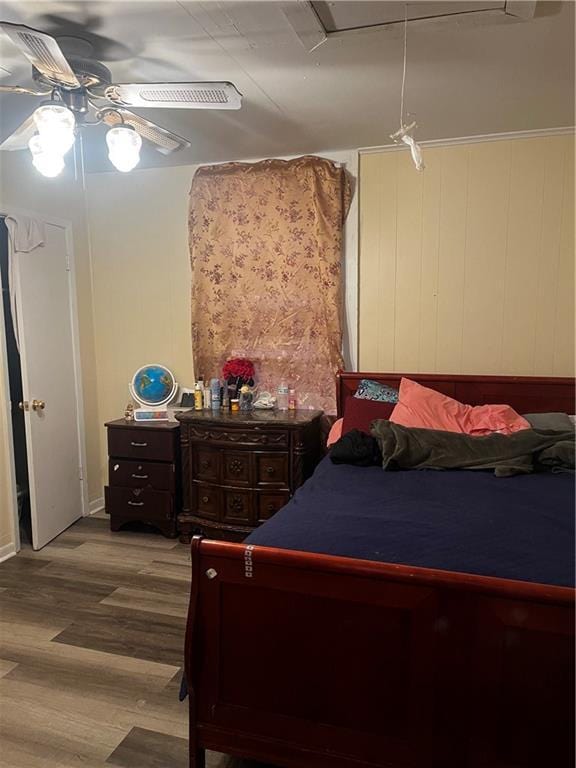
448, 647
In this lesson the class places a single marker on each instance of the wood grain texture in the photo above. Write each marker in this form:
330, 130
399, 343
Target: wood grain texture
91, 652
479, 668
469, 266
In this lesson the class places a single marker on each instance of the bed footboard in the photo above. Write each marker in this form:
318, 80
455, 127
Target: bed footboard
306, 661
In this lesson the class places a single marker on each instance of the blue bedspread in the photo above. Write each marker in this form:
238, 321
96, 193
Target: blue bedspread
470, 521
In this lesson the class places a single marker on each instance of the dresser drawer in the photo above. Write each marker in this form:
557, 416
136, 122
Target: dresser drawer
272, 469
230, 436
142, 444
141, 504
236, 468
133, 474
270, 503
206, 464
206, 500
238, 507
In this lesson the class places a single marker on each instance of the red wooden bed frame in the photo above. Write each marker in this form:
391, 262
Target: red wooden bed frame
312, 661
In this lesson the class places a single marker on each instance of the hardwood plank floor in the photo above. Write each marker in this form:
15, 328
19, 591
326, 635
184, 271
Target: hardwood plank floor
91, 644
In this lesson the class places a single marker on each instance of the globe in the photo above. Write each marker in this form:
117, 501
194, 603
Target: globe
153, 385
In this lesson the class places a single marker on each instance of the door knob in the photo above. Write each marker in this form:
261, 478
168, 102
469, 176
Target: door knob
38, 405
23, 405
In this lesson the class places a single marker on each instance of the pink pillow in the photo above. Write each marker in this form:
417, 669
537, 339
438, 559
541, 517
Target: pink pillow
420, 406
359, 414
335, 432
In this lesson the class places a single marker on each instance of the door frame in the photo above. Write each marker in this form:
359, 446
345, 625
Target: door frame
66, 225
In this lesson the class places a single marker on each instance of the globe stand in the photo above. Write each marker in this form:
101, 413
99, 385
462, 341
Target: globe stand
153, 406
145, 414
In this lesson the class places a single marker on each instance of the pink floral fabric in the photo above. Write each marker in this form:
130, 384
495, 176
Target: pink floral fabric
266, 251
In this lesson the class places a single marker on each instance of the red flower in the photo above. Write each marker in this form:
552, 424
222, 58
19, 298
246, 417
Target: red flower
238, 367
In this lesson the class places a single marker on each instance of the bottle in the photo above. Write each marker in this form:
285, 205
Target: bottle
215, 387
282, 396
225, 399
198, 396
207, 398
292, 400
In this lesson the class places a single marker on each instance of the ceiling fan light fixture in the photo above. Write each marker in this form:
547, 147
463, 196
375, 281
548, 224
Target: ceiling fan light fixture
48, 163
124, 145
55, 124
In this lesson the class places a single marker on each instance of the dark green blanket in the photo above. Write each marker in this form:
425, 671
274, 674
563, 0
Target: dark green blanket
520, 453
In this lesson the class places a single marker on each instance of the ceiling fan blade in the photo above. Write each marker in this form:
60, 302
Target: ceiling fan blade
23, 89
164, 140
43, 52
218, 95
19, 138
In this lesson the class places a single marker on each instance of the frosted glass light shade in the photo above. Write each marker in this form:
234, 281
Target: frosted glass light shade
55, 124
49, 163
123, 147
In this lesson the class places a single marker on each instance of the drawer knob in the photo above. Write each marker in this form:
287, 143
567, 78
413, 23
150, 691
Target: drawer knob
205, 464
270, 470
236, 466
205, 499
136, 503
138, 445
271, 507
211, 573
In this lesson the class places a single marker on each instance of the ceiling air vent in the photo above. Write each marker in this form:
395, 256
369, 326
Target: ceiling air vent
352, 15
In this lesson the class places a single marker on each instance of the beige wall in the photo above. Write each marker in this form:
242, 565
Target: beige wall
22, 187
141, 278
468, 267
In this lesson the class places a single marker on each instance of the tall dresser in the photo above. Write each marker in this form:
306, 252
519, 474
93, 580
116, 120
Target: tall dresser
239, 468
143, 474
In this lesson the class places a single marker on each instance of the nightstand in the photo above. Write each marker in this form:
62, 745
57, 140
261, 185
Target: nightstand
143, 474
239, 468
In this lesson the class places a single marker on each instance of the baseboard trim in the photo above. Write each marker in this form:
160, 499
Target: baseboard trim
7, 551
96, 506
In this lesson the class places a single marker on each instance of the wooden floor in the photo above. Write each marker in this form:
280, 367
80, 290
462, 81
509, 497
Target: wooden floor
91, 642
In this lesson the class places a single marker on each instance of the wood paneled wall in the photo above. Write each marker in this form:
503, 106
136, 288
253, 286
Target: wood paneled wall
468, 267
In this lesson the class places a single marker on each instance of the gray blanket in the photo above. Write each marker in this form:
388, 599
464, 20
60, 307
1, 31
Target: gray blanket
520, 453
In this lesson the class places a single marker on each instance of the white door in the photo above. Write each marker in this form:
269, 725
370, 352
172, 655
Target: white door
46, 336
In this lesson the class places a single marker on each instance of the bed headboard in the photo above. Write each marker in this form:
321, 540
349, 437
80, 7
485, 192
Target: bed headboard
526, 394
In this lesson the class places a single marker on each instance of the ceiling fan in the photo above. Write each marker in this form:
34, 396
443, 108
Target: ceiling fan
80, 92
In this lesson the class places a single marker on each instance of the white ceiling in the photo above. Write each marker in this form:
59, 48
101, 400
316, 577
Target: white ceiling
467, 75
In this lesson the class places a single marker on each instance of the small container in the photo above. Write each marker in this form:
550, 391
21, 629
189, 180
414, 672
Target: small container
282, 397
198, 391
246, 398
292, 400
215, 388
234, 404
207, 398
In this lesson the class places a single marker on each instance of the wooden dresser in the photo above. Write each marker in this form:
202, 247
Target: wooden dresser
239, 468
143, 474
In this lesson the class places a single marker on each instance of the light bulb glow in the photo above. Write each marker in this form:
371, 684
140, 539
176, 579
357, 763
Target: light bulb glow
55, 124
123, 147
48, 163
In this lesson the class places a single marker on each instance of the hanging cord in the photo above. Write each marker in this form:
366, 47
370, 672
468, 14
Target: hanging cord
403, 133
404, 67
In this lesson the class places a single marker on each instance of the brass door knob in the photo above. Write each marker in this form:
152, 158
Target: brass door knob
23, 405
38, 405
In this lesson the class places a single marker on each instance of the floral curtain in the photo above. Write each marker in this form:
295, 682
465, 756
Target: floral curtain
266, 248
